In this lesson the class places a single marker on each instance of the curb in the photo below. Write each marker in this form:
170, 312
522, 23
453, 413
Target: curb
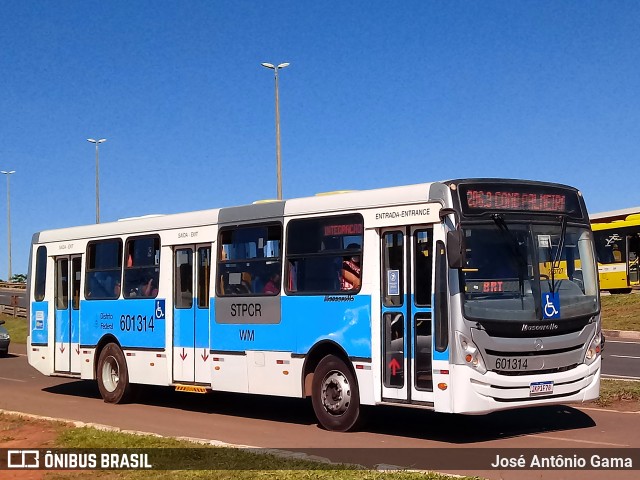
621, 334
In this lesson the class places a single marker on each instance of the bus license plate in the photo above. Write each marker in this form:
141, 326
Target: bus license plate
540, 388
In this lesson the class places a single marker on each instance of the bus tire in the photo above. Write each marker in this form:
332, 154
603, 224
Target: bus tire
112, 374
335, 397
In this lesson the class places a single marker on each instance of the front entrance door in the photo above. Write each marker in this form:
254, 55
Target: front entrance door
191, 314
67, 316
633, 249
407, 259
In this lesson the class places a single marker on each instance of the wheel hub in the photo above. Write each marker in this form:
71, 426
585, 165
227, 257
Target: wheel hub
110, 374
336, 393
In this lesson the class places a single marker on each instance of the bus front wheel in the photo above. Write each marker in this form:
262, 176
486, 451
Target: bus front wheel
112, 374
335, 397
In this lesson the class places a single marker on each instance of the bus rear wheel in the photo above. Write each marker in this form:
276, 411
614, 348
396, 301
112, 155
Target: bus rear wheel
112, 374
335, 397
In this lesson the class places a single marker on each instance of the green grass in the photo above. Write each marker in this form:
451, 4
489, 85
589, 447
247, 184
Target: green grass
621, 312
18, 328
616, 390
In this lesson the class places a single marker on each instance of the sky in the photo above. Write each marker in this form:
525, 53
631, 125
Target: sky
377, 94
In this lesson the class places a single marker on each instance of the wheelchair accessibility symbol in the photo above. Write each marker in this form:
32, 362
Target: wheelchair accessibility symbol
550, 305
159, 309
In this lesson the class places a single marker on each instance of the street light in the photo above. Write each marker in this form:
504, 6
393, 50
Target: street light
275, 68
97, 142
9, 218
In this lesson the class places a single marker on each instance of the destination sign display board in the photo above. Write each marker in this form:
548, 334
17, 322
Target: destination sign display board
476, 199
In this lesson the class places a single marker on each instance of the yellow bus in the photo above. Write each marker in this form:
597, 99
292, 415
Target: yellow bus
618, 249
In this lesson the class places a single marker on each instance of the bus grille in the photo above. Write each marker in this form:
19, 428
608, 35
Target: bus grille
496, 353
512, 373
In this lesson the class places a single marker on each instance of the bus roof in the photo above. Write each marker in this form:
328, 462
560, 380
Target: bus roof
630, 221
622, 214
345, 200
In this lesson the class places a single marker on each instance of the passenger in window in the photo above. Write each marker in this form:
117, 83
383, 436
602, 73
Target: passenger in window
272, 287
351, 270
148, 289
245, 284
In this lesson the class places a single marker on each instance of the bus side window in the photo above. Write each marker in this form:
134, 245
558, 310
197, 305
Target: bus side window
142, 273
324, 255
103, 269
249, 260
41, 273
204, 268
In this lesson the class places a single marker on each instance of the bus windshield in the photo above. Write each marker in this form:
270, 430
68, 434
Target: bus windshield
509, 267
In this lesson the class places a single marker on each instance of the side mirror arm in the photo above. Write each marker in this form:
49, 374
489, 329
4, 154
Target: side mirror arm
455, 239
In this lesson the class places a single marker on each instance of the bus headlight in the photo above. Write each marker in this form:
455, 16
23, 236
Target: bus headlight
594, 349
470, 353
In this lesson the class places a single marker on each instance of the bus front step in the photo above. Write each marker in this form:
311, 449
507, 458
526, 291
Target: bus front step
191, 389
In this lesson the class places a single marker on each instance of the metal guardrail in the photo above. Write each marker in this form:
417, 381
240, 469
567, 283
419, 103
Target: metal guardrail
19, 286
12, 308
13, 311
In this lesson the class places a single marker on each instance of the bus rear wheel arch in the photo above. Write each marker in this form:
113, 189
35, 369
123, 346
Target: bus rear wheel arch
335, 396
112, 375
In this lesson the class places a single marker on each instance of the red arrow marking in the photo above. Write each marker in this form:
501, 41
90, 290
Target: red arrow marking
204, 355
183, 355
394, 366
62, 348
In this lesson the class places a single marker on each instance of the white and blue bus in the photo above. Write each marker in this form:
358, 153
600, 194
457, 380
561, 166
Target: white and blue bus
446, 296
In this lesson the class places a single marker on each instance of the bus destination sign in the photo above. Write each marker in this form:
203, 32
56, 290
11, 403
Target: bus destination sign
505, 197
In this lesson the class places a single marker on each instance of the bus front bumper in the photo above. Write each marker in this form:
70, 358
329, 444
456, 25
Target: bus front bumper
474, 393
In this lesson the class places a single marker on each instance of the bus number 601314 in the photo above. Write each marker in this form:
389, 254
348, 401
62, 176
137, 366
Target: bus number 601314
133, 323
511, 363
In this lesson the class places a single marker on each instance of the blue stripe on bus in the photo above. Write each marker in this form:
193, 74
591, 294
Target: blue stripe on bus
183, 328
191, 327
132, 322
39, 322
61, 330
305, 321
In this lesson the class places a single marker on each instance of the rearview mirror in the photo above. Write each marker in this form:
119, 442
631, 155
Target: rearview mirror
455, 239
455, 249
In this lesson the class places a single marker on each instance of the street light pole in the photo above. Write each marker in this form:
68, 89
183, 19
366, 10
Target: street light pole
275, 68
9, 218
97, 142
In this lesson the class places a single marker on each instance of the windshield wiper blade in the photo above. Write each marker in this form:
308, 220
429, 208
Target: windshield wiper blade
555, 263
513, 244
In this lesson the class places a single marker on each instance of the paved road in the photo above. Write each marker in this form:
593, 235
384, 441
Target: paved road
289, 423
621, 358
7, 293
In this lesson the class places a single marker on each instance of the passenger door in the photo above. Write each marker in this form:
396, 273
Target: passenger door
406, 300
192, 266
67, 314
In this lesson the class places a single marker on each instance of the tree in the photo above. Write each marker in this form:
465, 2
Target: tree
19, 278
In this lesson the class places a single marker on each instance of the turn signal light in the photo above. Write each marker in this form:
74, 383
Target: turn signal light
442, 386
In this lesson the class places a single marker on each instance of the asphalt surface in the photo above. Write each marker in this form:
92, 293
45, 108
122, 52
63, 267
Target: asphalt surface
621, 358
394, 436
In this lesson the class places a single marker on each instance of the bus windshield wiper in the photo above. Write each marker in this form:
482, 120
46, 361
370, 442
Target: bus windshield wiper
513, 244
555, 263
